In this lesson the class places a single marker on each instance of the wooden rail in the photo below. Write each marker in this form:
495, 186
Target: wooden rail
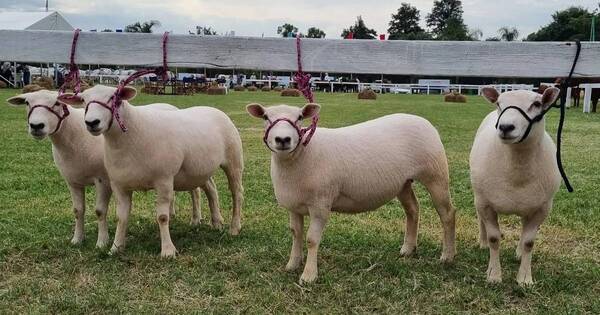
428, 58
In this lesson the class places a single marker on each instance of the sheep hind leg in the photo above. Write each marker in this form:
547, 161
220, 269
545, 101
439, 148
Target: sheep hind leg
196, 209
212, 195
411, 208
440, 194
234, 177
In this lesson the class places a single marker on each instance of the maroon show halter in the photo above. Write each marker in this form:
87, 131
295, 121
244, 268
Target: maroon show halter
48, 108
114, 102
301, 131
73, 76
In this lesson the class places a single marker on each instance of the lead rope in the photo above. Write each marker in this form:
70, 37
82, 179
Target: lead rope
303, 81
561, 122
73, 76
162, 71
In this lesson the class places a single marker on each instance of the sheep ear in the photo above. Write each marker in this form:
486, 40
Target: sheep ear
490, 93
549, 97
311, 109
17, 100
128, 93
256, 110
71, 99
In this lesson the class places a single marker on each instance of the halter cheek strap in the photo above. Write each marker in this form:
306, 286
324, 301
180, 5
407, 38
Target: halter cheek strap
114, 115
48, 108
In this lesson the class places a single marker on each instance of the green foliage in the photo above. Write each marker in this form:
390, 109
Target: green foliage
361, 270
571, 24
508, 34
204, 30
285, 29
314, 32
405, 24
446, 20
145, 27
360, 30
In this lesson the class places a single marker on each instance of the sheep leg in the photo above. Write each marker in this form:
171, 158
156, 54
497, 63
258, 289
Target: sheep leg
483, 243
411, 208
172, 208
164, 199
212, 195
196, 209
234, 177
297, 229
103, 193
123, 208
318, 220
490, 219
440, 194
78, 199
530, 227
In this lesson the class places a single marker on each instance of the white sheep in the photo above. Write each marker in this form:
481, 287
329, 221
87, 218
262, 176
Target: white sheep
514, 171
353, 169
78, 156
164, 151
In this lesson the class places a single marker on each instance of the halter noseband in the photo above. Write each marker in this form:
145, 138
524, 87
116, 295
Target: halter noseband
531, 121
113, 107
296, 124
49, 108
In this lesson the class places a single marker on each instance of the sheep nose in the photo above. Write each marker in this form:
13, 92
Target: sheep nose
93, 124
285, 140
506, 128
37, 127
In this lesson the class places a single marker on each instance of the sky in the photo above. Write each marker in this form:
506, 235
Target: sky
261, 17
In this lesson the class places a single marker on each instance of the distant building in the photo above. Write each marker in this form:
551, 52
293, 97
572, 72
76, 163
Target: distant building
41, 21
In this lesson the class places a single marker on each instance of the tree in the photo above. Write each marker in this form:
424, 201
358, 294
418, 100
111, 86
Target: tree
446, 20
286, 29
405, 24
203, 30
475, 34
508, 34
492, 39
570, 24
145, 27
360, 30
314, 32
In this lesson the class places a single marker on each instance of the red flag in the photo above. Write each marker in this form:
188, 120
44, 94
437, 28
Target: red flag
381, 36
350, 35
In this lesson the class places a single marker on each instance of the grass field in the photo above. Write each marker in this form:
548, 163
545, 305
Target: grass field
361, 270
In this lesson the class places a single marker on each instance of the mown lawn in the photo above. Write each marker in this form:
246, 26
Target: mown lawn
361, 270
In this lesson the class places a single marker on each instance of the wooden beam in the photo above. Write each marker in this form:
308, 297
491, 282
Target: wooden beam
431, 58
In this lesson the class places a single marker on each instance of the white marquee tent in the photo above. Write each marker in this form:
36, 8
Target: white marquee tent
43, 21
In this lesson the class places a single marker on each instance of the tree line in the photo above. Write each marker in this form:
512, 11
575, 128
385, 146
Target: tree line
444, 22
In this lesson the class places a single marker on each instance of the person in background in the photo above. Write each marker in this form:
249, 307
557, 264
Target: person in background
26, 75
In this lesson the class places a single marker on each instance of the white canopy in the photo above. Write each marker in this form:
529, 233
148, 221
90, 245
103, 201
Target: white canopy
45, 21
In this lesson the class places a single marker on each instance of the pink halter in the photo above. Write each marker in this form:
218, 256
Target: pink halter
296, 124
48, 108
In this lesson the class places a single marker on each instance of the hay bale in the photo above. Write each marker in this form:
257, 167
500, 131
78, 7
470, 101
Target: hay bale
266, 89
252, 88
455, 97
45, 82
278, 88
239, 88
3, 85
367, 94
31, 88
291, 93
216, 90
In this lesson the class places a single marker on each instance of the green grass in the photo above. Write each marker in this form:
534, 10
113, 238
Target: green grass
360, 267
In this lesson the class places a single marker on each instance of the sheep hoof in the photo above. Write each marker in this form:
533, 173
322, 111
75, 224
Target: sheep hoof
114, 250
447, 258
407, 250
217, 225
524, 279
168, 252
195, 222
77, 240
494, 275
234, 230
101, 243
308, 277
293, 263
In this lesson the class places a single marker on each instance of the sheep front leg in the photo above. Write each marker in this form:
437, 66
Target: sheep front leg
164, 199
531, 225
297, 229
318, 220
103, 193
78, 199
123, 209
490, 219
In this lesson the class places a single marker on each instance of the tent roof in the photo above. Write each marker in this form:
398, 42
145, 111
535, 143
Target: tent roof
47, 21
